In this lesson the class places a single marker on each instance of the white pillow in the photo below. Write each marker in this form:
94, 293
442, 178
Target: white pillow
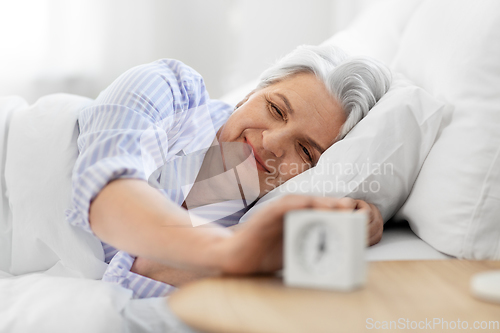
380, 158
376, 32
452, 49
41, 153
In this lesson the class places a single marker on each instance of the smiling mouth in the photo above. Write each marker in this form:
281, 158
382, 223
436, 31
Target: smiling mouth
260, 166
258, 161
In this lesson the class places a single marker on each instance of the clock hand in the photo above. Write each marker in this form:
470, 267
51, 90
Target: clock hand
321, 245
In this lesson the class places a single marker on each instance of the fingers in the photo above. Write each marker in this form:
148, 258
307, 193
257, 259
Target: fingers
375, 221
375, 233
297, 202
346, 203
291, 202
365, 207
375, 226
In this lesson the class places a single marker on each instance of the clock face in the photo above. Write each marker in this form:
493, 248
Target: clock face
318, 248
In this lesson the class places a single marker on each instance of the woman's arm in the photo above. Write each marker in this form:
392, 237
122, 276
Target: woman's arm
173, 276
132, 216
177, 277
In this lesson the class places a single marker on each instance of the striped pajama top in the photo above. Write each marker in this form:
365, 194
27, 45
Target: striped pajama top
150, 115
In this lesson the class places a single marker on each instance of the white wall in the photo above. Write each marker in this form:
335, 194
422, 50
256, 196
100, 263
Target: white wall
80, 46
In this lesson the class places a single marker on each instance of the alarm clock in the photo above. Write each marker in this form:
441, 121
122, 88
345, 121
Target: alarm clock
325, 249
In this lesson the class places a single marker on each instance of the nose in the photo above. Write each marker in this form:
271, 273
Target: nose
275, 141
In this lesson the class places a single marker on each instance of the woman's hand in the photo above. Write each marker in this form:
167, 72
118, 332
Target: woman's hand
257, 246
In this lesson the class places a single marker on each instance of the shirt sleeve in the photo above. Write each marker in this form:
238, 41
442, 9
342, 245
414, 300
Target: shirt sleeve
147, 103
118, 272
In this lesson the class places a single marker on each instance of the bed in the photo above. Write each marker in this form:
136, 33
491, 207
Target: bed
49, 271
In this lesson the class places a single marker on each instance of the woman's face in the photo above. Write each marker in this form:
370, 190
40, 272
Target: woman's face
288, 126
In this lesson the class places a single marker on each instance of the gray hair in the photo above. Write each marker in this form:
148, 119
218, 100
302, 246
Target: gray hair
357, 83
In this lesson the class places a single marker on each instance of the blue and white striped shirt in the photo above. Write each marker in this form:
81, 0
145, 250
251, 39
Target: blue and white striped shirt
150, 115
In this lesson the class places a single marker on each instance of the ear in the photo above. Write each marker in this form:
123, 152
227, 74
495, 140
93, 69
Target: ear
243, 101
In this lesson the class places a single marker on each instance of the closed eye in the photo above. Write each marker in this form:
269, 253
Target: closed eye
276, 110
306, 151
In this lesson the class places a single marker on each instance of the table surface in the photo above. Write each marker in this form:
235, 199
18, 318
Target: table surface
400, 294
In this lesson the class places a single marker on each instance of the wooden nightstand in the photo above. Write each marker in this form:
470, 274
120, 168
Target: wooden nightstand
429, 294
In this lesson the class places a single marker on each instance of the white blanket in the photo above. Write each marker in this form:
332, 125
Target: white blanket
40, 153
49, 270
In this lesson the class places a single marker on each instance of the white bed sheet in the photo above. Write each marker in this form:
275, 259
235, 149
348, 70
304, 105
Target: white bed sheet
399, 242
44, 303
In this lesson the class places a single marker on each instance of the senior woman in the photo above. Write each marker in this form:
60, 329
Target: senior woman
302, 105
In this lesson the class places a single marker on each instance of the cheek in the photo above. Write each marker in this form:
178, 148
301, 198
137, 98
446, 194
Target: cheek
287, 170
